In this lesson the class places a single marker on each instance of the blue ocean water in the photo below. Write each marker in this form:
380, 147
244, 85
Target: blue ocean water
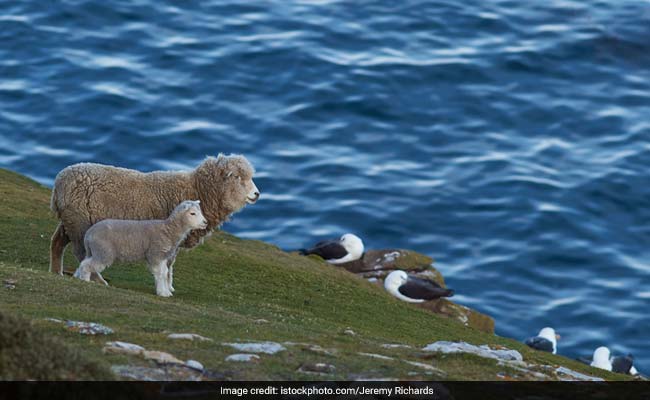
509, 140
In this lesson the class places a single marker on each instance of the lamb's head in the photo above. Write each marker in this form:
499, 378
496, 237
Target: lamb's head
189, 212
226, 183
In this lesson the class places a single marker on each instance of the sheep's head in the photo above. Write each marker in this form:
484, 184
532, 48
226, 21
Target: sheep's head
189, 212
227, 182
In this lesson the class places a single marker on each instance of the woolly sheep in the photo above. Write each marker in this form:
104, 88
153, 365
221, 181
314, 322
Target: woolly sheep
155, 241
85, 194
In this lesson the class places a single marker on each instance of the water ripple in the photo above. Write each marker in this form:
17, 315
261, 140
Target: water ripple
509, 142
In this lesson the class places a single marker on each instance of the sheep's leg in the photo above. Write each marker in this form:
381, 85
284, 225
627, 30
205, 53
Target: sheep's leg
57, 246
78, 248
159, 271
84, 270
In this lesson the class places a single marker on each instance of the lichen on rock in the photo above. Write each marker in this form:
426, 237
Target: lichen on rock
88, 328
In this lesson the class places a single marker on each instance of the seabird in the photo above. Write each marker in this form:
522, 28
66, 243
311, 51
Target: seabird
545, 341
620, 364
338, 251
413, 289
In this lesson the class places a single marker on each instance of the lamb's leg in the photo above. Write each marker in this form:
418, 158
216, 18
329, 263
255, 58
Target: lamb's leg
170, 273
100, 278
79, 251
85, 269
57, 246
159, 271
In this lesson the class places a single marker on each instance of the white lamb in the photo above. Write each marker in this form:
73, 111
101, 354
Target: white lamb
155, 241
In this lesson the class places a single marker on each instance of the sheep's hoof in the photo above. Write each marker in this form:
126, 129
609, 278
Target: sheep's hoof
164, 293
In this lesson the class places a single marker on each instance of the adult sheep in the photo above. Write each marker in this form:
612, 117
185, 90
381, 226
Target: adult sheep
87, 193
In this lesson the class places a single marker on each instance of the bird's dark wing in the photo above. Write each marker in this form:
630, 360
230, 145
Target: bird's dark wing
417, 288
539, 343
622, 364
328, 249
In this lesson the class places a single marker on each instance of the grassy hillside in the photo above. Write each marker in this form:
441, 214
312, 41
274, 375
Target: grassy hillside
224, 289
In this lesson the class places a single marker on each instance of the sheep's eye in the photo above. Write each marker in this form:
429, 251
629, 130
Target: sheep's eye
192, 213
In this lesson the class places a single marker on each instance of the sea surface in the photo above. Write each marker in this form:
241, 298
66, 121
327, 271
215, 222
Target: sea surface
509, 140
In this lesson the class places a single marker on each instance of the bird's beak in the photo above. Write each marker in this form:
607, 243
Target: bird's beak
558, 337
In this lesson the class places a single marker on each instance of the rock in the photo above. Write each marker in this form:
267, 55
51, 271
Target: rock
389, 259
512, 359
88, 328
462, 314
10, 283
163, 373
349, 332
188, 336
243, 357
161, 357
395, 346
427, 367
261, 321
55, 320
566, 374
122, 348
313, 348
372, 355
317, 369
139, 373
257, 347
194, 365
481, 351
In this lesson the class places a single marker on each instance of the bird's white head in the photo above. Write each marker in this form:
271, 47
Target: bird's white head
353, 245
549, 334
601, 358
394, 280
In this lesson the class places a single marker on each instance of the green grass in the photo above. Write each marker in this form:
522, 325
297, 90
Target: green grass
222, 288
28, 353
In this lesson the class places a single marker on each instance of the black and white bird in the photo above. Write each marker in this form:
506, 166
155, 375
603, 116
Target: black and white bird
338, 251
622, 364
413, 289
546, 340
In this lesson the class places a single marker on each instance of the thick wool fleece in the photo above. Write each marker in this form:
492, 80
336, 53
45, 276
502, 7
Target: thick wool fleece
85, 194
